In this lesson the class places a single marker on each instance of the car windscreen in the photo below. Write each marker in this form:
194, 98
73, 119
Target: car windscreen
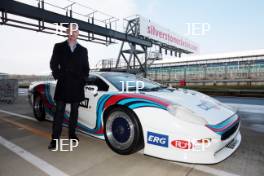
121, 80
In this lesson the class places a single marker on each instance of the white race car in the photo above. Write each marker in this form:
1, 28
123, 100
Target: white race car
174, 124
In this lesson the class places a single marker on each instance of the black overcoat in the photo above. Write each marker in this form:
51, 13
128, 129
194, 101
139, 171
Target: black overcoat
71, 69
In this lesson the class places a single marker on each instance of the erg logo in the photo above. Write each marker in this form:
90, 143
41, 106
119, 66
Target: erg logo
157, 139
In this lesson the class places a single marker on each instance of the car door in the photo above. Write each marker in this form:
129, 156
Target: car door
87, 109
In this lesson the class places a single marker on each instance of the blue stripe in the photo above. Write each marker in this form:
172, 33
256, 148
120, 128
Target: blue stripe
221, 132
83, 127
139, 105
100, 105
66, 116
47, 93
129, 100
142, 101
224, 123
139, 102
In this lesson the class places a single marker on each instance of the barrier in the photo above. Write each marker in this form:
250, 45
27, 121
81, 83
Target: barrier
8, 90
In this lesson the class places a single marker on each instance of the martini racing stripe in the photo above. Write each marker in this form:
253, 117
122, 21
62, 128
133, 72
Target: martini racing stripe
130, 100
226, 125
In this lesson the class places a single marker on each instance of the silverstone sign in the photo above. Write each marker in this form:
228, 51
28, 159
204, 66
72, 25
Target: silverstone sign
156, 32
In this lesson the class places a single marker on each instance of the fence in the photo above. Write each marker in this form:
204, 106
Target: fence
8, 90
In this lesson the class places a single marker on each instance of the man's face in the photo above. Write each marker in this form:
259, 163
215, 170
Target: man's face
73, 32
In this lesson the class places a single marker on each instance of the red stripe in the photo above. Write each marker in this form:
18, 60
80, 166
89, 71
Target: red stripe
100, 131
40, 89
115, 98
154, 99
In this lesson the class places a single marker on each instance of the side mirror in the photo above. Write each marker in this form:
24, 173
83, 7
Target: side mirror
92, 88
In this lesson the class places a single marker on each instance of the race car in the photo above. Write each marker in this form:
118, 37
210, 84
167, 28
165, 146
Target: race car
132, 113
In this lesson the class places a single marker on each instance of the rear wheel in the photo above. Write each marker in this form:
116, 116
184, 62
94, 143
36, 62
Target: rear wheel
123, 132
38, 108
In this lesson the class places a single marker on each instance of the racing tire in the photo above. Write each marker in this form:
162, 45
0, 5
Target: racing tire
123, 132
38, 108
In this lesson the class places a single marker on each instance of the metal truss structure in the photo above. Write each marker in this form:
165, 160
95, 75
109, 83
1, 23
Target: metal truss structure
45, 17
94, 26
136, 58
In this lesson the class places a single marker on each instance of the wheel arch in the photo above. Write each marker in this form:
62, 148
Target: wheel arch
108, 110
38, 96
38, 90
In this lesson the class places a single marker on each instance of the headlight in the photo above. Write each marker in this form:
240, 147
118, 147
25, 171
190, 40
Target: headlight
185, 114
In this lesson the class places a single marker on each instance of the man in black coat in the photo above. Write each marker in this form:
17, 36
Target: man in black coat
70, 67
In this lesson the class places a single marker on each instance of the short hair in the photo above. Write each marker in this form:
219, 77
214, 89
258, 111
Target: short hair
68, 25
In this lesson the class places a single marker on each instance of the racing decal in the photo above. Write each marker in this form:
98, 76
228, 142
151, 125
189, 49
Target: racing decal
50, 107
130, 100
42, 90
157, 139
134, 101
222, 127
85, 103
182, 144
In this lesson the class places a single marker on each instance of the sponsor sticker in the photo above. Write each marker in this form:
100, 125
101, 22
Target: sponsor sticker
182, 144
157, 139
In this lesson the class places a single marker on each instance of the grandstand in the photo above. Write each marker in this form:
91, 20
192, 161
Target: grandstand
236, 68
3, 75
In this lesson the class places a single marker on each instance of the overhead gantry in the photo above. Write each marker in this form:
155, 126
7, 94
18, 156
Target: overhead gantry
140, 35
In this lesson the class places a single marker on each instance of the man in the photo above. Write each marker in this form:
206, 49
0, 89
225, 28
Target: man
70, 67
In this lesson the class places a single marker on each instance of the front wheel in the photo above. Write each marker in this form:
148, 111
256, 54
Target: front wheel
123, 132
38, 108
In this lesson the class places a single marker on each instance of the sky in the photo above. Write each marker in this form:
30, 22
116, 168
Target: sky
235, 25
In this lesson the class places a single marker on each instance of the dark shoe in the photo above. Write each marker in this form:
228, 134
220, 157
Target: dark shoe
52, 145
74, 137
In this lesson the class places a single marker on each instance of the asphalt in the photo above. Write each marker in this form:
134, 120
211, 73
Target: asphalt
28, 155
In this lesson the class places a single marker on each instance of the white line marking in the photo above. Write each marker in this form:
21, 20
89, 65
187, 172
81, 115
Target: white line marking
48, 118
207, 169
18, 115
34, 160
